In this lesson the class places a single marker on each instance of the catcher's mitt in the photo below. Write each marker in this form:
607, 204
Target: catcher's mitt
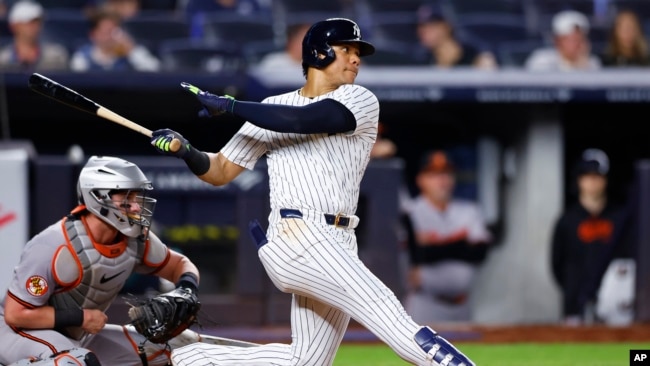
166, 315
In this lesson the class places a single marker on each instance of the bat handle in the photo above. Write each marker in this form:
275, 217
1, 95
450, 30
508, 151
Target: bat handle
175, 145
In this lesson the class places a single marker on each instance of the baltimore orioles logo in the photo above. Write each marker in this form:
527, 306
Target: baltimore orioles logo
36, 285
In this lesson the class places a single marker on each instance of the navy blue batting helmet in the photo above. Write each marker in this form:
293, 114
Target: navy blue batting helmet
322, 35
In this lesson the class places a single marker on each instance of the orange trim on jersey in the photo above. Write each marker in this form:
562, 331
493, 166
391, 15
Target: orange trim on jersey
137, 351
22, 302
158, 266
108, 251
163, 351
67, 358
128, 337
35, 339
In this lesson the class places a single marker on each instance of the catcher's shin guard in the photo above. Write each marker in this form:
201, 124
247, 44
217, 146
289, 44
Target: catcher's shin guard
74, 356
439, 349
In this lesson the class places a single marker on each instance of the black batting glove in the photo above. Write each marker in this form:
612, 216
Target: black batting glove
213, 105
162, 139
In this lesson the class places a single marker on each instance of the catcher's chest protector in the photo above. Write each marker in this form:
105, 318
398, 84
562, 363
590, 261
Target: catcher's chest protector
91, 277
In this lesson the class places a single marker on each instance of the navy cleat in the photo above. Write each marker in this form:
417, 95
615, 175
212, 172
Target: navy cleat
439, 349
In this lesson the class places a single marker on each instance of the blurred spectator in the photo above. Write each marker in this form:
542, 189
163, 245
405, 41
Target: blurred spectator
587, 235
111, 48
626, 44
571, 48
448, 240
27, 50
291, 56
442, 48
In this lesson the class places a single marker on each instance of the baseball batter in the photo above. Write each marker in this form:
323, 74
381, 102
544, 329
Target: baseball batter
317, 142
71, 272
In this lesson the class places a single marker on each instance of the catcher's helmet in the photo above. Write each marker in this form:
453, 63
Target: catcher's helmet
103, 176
323, 34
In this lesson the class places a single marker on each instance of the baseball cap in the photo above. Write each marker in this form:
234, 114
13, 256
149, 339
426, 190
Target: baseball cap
24, 11
565, 22
436, 161
593, 161
429, 13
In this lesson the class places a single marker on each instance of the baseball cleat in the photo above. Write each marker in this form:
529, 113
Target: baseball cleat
439, 349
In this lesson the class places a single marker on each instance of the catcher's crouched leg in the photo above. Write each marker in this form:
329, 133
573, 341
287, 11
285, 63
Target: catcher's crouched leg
75, 356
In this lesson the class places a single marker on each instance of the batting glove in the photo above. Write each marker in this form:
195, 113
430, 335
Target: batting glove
162, 142
213, 105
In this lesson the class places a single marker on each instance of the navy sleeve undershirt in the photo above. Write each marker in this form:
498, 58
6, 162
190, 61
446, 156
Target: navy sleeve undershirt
325, 116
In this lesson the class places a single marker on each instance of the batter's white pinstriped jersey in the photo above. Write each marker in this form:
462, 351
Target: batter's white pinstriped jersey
315, 261
318, 172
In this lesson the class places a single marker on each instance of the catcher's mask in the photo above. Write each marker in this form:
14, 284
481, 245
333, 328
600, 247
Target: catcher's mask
322, 35
115, 191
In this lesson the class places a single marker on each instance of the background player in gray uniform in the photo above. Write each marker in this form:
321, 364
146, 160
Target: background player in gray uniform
71, 272
449, 240
317, 142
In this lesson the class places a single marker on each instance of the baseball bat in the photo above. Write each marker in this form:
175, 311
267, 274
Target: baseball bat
69, 97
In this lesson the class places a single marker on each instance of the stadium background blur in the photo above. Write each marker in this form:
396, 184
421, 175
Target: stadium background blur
514, 134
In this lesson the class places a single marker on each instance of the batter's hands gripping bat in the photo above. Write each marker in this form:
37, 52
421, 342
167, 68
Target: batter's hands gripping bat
67, 96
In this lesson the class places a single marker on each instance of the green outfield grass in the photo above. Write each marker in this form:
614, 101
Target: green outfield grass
511, 354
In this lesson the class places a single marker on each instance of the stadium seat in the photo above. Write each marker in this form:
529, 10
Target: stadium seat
640, 7
398, 7
163, 5
188, 55
68, 27
66, 4
462, 7
253, 52
5, 41
150, 30
388, 27
513, 54
554, 6
492, 29
302, 6
392, 54
5, 32
238, 29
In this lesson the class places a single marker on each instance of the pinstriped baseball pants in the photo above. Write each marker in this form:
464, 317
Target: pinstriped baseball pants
318, 264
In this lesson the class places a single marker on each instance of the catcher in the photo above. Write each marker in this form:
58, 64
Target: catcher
71, 272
